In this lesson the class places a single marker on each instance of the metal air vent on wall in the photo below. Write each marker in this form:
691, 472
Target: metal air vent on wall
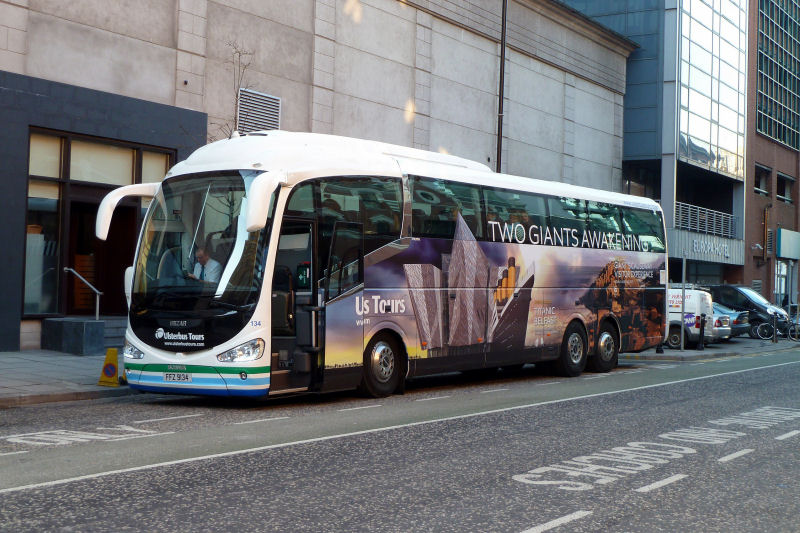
257, 111
757, 285
770, 241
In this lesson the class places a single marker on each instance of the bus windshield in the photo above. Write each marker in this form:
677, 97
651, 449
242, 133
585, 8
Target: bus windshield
195, 253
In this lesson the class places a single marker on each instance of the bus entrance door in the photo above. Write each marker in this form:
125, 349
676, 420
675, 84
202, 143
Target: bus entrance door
294, 331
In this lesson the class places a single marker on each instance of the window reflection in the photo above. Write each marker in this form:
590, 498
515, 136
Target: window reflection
712, 79
778, 65
41, 248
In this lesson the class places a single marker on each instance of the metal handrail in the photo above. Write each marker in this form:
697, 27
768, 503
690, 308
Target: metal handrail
96, 292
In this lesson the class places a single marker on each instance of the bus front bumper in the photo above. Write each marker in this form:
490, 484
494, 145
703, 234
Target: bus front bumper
195, 379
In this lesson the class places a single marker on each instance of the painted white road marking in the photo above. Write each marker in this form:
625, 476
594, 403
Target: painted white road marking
787, 435
434, 398
493, 390
166, 418
143, 436
659, 484
13, 453
558, 522
262, 420
57, 437
362, 407
733, 456
369, 431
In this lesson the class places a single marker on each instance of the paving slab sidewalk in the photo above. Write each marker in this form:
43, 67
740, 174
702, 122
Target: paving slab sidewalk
737, 346
41, 376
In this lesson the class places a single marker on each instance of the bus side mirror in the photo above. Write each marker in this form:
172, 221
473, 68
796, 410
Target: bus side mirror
109, 203
258, 198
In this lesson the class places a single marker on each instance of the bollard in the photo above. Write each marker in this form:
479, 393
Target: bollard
774, 327
702, 342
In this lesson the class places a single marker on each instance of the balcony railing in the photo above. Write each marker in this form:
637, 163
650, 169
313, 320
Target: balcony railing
701, 220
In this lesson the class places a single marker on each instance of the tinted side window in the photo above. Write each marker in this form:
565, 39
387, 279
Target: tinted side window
340, 198
567, 213
603, 217
644, 226
339, 203
301, 201
346, 258
436, 205
506, 206
382, 202
740, 299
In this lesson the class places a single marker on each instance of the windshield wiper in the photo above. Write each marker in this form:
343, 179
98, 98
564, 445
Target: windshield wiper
226, 305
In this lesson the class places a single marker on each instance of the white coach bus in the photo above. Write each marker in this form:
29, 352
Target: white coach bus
279, 262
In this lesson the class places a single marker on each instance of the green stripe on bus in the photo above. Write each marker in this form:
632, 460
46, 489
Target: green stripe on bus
197, 369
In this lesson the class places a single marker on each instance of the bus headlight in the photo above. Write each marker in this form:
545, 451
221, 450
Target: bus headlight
132, 352
249, 351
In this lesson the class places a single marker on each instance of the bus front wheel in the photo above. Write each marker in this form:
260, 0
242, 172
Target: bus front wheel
572, 359
383, 366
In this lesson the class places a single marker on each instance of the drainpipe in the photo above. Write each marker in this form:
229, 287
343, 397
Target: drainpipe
501, 88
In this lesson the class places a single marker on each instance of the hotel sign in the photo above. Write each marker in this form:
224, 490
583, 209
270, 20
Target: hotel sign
703, 247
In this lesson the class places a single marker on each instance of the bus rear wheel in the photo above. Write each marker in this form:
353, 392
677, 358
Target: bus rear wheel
383, 365
606, 355
572, 360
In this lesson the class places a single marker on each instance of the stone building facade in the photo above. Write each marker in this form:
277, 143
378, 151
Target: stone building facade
89, 82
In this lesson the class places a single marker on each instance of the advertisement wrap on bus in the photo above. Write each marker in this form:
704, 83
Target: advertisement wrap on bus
507, 296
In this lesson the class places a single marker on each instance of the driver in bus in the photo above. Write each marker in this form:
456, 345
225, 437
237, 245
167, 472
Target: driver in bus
206, 269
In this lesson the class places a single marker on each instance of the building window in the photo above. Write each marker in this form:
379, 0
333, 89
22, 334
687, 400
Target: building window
58, 163
784, 188
101, 163
778, 81
712, 88
42, 247
761, 180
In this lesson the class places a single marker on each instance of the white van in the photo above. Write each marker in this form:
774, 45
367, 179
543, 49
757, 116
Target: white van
698, 303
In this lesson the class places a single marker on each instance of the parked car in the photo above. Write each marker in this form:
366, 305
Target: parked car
741, 298
698, 303
721, 330
740, 320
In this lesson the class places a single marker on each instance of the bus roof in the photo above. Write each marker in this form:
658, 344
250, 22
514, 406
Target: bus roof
309, 155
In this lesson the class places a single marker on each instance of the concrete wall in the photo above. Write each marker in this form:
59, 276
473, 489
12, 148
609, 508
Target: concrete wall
420, 73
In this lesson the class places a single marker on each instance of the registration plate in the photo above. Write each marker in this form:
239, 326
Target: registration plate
179, 377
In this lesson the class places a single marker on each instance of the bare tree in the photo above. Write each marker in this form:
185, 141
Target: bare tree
240, 60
